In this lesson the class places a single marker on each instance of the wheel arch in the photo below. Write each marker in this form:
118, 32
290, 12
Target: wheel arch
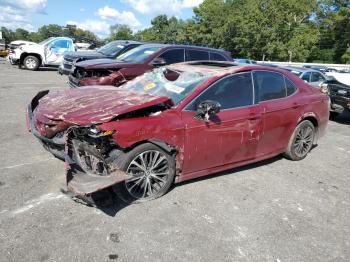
24, 55
313, 119
162, 144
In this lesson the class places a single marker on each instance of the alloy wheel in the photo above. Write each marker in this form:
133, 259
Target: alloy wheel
150, 171
30, 63
303, 141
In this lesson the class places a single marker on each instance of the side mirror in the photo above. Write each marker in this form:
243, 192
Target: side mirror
158, 62
206, 109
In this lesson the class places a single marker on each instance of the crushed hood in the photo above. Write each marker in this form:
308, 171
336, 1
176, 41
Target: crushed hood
92, 104
104, 63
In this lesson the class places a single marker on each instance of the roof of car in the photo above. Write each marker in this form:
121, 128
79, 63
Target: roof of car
218, 67
126, 42
183, 46
300, 69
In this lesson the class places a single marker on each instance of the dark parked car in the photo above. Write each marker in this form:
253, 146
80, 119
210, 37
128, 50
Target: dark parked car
110, 50
176, 123
138, 61
339, 94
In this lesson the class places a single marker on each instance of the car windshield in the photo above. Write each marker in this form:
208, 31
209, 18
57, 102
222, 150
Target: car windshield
139, 54
166, 82
110, 49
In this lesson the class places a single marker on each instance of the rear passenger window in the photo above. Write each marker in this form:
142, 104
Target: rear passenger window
306, 76
231, 92
317, 77
291, 88
269, 85
193, 55
217, 57
173, 56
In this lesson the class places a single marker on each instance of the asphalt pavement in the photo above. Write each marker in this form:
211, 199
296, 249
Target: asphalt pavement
276, 210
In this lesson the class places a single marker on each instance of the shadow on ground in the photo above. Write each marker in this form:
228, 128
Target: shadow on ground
118, 204
343, 118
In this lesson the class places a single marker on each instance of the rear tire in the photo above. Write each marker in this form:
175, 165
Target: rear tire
31, 63
153, 172
301, 141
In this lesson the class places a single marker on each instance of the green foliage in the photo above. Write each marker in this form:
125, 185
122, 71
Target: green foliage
51, 30
297, 30
120, 32
346, 56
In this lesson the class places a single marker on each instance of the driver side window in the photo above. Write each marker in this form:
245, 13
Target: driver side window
231, 92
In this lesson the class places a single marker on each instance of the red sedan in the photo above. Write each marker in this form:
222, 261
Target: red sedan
177, 123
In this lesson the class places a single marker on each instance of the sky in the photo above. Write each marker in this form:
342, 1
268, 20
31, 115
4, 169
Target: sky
92, 15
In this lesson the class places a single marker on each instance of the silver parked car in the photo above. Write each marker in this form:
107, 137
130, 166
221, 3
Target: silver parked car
311, 76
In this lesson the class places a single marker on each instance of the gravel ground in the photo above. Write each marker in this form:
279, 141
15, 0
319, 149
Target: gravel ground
275, 210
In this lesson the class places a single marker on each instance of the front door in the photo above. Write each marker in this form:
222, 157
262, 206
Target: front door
229, 136
54, 51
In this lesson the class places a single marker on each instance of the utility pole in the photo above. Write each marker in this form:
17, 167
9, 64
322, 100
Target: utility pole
290, 55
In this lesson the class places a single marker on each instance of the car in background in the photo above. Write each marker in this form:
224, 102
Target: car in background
311, 76
337, 87
12, 46
82, 46
177, 123
316, 67
137, 61
110, 51
241, 61
4, 51
47, 53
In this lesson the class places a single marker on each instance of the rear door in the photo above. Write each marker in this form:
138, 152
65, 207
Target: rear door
232, 134
280, 110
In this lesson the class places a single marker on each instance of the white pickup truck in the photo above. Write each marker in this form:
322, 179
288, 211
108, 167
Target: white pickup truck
47, 53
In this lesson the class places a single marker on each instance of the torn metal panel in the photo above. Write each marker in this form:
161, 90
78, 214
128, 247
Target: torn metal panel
88, 168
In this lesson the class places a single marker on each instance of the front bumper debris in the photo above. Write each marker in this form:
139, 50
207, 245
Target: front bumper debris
54, 145
89, 160
88, 170
340, 103
73, 81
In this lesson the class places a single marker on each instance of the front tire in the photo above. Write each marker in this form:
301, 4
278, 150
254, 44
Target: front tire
153, 172
301, 141
31, 63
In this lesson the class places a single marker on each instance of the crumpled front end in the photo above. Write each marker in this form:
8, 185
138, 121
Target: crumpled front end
83, 77
90, 164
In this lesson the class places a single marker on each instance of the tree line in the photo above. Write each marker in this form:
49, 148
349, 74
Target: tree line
276, 30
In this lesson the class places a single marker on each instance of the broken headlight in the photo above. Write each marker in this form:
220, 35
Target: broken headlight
93, 131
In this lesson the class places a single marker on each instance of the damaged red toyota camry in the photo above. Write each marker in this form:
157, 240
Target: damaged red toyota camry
176, 123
